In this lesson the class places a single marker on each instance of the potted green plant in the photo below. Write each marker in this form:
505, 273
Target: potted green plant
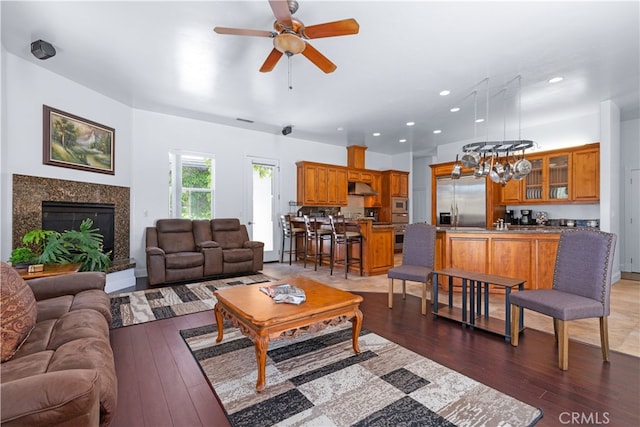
71, 246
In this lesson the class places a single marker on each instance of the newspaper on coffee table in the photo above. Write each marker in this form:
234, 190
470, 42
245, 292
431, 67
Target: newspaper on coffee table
285, 293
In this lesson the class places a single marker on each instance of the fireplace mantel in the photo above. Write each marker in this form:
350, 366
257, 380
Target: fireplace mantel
30, 191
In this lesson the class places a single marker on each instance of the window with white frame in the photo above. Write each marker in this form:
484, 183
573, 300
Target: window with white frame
191, 190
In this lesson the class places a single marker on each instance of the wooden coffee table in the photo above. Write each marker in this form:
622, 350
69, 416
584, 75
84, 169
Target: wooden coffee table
260, 318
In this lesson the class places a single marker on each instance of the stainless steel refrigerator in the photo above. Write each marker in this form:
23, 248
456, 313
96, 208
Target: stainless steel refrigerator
461, 202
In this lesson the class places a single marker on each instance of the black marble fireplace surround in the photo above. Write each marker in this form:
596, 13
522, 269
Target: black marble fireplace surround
29, 193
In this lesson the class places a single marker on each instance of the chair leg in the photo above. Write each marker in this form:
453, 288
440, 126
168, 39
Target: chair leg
515, 321
563, 344
360, 260
306, 245
346, 258
282, 251
604, 338
390, 293
424, 299
404, 289
555, 330
291, 247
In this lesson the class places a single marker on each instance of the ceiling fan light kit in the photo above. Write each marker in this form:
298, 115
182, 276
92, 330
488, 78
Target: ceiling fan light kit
291, 35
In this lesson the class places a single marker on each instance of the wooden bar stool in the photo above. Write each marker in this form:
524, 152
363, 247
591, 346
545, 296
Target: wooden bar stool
346, 238
291, 232
316, 236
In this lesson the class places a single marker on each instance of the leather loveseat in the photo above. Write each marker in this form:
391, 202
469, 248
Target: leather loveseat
184, 249
57, 363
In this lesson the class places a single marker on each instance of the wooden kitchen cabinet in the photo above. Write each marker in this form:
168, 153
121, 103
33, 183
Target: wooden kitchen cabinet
321, 184
376, 184
559, 176
528, 256
357, 175
586, 175
398, 183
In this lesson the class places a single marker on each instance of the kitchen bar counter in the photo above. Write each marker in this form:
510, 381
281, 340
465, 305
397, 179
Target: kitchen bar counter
527, 254
378, 241
513, 229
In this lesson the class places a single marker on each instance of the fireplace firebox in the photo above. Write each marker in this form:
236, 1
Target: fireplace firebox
62, 216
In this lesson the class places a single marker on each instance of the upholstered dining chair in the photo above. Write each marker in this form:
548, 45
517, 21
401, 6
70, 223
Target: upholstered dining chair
581, 289
291, 232
418, 259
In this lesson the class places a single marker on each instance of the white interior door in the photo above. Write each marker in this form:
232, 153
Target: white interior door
262, 199
633, 222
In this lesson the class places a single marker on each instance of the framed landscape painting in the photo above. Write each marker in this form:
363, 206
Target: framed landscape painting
73, 142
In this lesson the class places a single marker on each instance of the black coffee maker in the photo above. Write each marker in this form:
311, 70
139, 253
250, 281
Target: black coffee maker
525, 218
508, 216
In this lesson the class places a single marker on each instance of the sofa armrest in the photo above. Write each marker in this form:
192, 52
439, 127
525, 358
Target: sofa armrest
154, 250
70, 397
253, 244
207, 244
67, 284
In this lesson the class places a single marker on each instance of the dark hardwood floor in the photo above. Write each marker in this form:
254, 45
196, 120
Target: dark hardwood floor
160, 384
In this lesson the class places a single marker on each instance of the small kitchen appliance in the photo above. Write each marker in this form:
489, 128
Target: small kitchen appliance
525, 218
508, 216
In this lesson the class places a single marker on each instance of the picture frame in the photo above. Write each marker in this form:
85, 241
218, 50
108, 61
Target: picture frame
73, 142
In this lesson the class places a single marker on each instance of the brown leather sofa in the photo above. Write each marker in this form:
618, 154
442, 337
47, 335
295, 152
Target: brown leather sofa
184, 249
57, 363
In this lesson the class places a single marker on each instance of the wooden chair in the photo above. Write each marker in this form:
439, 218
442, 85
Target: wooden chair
342, 237
316, 235
291, 232
581, 288
418, 259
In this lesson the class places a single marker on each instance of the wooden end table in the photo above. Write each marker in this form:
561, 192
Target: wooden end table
260, 318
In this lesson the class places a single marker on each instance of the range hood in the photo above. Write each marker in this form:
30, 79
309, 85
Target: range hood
361, 189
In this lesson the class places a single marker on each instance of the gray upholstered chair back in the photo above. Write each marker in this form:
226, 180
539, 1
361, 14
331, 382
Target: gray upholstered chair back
583, 264
418, 247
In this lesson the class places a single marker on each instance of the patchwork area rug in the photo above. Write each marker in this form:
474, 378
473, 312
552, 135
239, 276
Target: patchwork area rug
317, 380
131, 308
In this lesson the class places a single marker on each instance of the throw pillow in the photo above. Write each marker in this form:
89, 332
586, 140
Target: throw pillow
18, 311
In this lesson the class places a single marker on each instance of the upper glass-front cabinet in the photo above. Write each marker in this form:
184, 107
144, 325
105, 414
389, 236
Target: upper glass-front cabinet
558, 177
534, 181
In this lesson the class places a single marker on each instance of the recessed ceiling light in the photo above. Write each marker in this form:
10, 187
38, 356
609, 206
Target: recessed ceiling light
411, 123
455, 109
479, 120
376, 134
445, 93
340, 129
555, 80
437, 131
402, 140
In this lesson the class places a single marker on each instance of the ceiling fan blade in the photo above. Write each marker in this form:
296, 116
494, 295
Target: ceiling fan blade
318, 59
281, 12
271, 61
243, 32
332, 29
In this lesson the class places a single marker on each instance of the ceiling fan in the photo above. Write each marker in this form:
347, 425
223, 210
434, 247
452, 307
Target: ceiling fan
290, 35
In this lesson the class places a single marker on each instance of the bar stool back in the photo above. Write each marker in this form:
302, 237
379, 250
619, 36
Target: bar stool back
347, 238
316, 236
291, 232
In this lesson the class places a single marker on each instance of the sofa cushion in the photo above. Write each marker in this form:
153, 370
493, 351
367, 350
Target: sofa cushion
184, 260
237, 255
175, 235
27, 366
18, 311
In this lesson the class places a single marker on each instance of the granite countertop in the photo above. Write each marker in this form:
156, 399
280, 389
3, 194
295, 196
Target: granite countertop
512, 229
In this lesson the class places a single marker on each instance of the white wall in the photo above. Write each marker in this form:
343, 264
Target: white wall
26, 87
142, 142
630, 147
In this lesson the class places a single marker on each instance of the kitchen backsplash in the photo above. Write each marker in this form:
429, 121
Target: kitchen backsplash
575, 212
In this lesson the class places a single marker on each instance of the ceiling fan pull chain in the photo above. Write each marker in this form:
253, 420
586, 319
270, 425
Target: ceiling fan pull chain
289, 71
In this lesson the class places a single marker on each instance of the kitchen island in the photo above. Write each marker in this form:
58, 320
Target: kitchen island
526, 253
377, 249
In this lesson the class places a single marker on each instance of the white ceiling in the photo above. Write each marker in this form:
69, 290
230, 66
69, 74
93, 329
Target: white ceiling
163, 56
